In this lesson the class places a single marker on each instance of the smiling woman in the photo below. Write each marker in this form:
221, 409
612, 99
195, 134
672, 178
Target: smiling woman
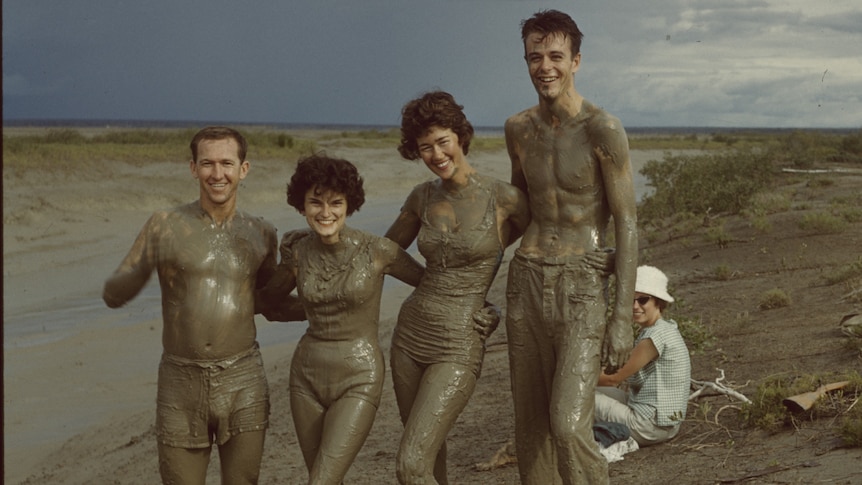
336, 375
653, 394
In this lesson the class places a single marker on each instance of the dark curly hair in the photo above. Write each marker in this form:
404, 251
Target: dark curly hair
547, 22
323, 173
435, 108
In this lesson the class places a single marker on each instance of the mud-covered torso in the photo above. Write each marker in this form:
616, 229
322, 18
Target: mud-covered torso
208, 273
340, 286
564, 179
464, 260
435, 323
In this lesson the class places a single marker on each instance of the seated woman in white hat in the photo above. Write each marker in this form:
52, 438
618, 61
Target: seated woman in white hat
653, 398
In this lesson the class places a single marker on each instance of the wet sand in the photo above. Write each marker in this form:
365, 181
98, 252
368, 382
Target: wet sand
71, 365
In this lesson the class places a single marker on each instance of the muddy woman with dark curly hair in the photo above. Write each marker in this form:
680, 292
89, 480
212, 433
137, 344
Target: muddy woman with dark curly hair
336, 375
462, 222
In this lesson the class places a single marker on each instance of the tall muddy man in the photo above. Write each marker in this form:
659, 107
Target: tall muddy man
572, 160
210, 258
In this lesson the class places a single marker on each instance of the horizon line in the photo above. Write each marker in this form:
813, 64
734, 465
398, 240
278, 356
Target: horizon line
146, 123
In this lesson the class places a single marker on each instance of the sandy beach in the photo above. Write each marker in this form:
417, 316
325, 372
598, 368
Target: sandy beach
80, 379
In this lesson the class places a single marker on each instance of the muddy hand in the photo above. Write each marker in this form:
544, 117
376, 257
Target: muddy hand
486, 319
617, 345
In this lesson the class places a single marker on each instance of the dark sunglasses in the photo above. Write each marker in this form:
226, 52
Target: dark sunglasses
642, 300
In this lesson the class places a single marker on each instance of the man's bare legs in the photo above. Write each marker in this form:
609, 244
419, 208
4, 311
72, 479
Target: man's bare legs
183, 466
240, 461
240, 458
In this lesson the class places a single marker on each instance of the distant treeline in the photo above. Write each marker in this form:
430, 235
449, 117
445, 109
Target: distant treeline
139, 145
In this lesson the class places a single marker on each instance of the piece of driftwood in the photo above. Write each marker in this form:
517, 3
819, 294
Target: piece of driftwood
716, 387
851, 324
804, 401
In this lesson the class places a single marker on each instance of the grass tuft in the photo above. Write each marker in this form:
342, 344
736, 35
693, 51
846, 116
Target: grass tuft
774, 298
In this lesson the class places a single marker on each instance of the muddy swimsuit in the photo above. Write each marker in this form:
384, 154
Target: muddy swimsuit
435, 323
328, 364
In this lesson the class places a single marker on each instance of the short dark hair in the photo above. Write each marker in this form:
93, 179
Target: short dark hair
548, 22
219, 133
325, 173
434, 108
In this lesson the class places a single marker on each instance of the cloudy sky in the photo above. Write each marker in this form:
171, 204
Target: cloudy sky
705, 63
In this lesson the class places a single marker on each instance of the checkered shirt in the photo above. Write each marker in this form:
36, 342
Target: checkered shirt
659, 391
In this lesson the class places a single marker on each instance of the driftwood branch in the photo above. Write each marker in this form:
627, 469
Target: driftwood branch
716, 387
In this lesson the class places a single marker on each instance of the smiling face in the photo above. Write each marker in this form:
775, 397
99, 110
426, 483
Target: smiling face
218, 170
551, 64
645, 310
441, 151
326, 212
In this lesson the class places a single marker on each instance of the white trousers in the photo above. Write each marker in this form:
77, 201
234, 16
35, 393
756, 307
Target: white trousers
611, 406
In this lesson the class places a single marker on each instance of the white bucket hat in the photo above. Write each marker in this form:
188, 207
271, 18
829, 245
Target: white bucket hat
651, 281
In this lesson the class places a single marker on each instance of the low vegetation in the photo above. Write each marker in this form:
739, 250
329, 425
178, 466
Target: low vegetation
848, 273
774, 298
704, 184
134, 146
767, 410
697, 335
740, 177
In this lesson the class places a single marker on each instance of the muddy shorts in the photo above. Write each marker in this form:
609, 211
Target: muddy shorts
204, 401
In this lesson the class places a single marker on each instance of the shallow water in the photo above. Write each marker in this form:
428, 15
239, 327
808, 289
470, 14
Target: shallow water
62, 319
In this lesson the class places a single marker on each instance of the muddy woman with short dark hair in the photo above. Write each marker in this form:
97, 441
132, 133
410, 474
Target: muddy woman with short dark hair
462, 222
336, 375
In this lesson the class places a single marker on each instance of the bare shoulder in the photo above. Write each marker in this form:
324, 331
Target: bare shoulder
520, 120
417, 195
382, 250
181, 213
291, 239
256, 223
603, 127
506, 191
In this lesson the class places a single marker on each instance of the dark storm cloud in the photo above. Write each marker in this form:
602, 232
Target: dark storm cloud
304, 61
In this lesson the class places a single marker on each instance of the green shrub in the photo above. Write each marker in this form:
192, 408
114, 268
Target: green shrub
769, 202
851, 147
802, 149
852, 271
698, 337
768, 412
722, 182
850, 214
723, 272
761, 223
822, 223
719, 236
774, 298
